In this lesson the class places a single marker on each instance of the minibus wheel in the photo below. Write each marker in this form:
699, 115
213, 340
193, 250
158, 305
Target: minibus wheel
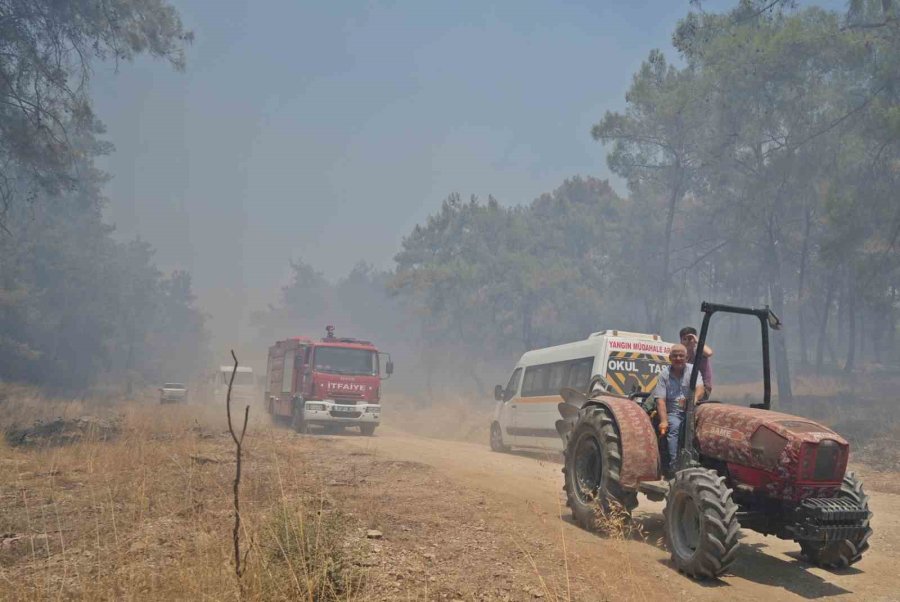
497, 444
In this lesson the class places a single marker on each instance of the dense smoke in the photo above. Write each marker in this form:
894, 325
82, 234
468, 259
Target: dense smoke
757, 161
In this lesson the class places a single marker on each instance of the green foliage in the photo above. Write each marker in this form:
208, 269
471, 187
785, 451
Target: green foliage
358, 305
762, 170
794, 169
497, 280
76, 305
47, 48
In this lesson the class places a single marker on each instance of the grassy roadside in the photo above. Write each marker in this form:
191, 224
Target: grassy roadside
142, 511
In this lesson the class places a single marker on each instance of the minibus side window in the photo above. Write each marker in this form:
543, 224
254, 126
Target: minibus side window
535, 380
557, 381
580, 374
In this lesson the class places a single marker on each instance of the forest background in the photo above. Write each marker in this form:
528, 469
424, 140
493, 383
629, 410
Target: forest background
761, 157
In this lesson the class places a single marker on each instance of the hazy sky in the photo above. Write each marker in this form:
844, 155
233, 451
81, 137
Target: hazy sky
327, 130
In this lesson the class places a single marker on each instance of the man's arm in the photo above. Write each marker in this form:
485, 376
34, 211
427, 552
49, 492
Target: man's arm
663, 417
659, 392
706, 373
699, 388
707, 350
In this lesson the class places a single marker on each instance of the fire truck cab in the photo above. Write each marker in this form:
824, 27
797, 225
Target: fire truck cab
331, 382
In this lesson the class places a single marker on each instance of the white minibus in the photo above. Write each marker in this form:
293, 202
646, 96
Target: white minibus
526, 412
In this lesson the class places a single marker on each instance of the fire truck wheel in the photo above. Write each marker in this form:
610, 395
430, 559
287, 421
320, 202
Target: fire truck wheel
593, 464
842, 553
497, 444
701, 523
297, 423
367, 429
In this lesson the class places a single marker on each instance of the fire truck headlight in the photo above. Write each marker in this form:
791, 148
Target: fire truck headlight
315, 407
373, 409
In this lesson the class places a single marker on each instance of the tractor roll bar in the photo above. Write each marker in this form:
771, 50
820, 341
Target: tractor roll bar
688, 455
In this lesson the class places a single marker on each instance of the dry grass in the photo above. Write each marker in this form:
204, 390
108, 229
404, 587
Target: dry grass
147, 515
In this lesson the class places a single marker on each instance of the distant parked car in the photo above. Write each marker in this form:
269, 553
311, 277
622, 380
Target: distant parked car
173, 393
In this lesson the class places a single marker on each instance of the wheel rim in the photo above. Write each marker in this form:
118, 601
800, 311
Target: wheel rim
686, 526
496, 439
588, 468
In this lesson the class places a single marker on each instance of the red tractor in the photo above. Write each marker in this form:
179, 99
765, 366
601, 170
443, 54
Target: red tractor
737, 467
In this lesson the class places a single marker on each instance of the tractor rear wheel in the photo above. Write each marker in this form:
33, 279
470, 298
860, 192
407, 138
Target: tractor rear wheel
593, 465
701, 523
844, 552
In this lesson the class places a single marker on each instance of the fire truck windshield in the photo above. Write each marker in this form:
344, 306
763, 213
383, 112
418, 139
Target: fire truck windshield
341, 360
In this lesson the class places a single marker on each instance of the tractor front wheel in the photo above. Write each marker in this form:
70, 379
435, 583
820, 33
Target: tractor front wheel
593, 465
842, 553
701, 523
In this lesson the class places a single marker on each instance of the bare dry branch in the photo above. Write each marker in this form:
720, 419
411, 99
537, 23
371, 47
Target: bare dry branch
239, 562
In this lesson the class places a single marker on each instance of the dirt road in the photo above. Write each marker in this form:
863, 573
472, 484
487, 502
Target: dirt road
527, 487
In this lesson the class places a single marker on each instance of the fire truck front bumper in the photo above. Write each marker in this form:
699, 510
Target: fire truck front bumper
334, 412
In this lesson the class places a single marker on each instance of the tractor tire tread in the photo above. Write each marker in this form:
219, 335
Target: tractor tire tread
717, 543
843, 553
600, 421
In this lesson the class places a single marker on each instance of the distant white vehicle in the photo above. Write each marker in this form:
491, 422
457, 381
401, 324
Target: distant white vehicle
619, 361
244, 388
173, 393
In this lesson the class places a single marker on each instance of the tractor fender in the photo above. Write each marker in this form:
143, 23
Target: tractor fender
640, 447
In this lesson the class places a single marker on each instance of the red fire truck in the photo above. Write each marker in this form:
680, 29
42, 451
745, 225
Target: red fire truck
332, 382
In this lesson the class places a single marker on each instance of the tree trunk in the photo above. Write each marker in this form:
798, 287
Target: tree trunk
660, 317
850, 301
823, 325
892, 324
776, 293
841, 315
129, 373
426, 347
801, 291
527, 332
479, 383
862, 332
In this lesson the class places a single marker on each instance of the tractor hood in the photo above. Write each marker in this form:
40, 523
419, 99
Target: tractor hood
784, 449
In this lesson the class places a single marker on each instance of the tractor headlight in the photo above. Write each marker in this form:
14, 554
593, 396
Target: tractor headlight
766, 446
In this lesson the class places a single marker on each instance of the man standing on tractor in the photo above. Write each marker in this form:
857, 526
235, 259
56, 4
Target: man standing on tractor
688, 336
671, 392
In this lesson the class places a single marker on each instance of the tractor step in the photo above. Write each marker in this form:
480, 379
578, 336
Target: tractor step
655, 490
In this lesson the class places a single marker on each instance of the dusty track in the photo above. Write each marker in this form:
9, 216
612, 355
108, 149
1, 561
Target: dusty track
528, 486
